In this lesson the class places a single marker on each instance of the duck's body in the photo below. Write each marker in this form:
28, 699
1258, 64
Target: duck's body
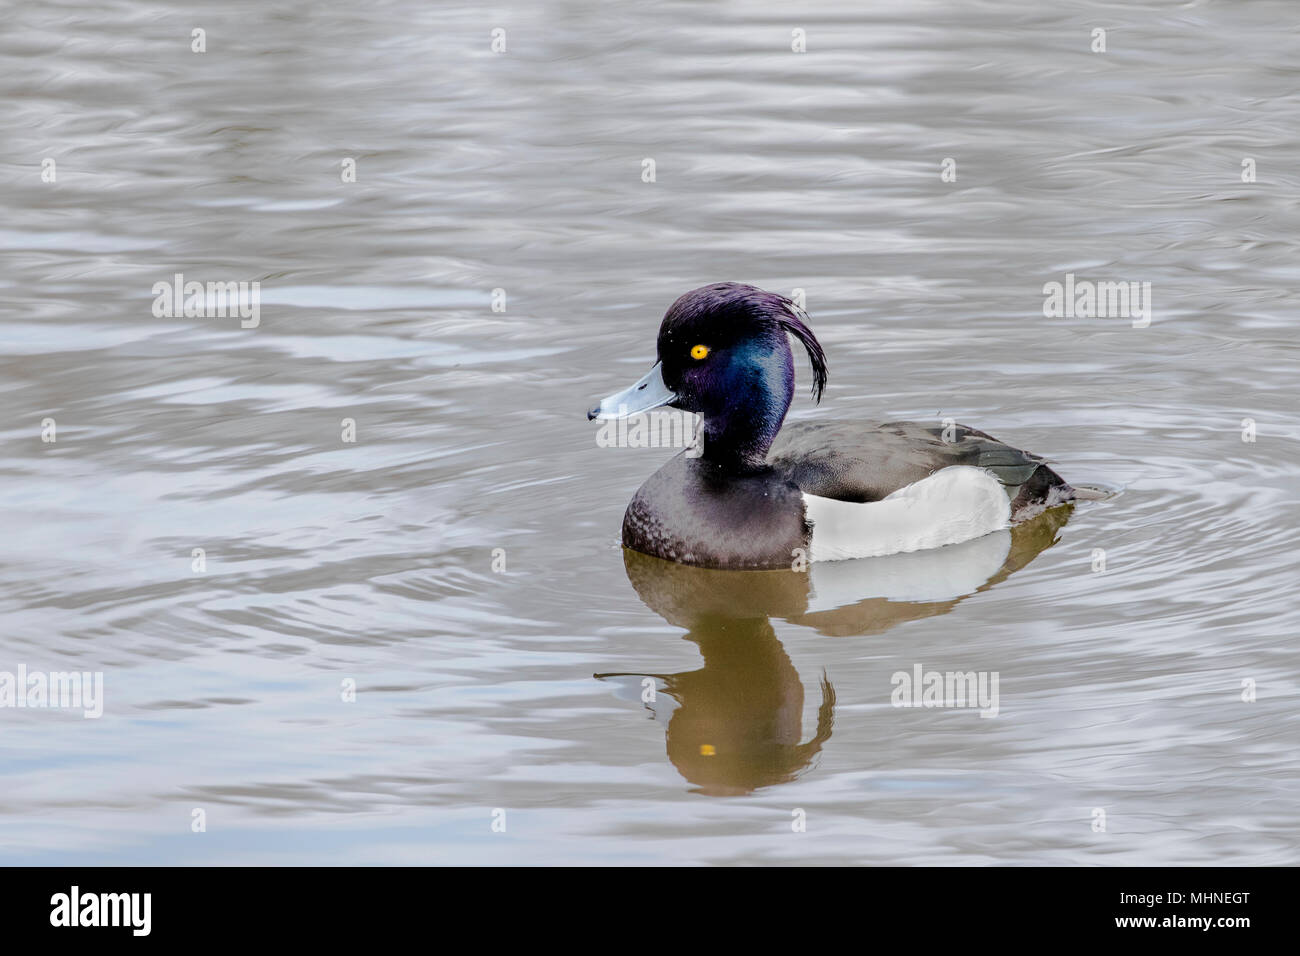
759, 496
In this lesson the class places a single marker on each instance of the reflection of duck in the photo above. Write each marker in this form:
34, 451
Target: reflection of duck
737, 723
755, 496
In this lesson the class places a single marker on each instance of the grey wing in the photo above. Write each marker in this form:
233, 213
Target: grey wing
857, 461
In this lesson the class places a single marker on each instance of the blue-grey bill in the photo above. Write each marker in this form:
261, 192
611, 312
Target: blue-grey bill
650, 392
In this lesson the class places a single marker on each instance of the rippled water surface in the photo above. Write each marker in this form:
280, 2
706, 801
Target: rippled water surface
328, 561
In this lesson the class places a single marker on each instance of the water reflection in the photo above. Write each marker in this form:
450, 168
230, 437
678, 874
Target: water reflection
736, 723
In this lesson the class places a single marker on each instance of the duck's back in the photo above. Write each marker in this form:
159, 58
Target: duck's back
861, 461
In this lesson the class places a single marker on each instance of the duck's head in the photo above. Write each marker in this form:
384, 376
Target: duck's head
724, 353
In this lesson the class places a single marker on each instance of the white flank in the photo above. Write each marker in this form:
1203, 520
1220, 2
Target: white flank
954, 504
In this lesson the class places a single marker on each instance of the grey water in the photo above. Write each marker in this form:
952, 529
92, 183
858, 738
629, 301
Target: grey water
349, 571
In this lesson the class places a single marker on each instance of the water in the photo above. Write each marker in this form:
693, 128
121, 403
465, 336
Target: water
372, 561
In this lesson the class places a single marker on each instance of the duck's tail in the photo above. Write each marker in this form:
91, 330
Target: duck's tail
1042, 490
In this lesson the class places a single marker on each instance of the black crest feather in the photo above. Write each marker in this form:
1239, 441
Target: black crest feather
793, 320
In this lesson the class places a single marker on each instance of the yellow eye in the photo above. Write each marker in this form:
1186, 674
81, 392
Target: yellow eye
699, 352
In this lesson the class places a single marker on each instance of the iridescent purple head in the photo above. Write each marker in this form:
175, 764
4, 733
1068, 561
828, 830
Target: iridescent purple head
742, 329
724, 353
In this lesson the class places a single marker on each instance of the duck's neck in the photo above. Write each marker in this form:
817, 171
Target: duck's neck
725, 454
739, 433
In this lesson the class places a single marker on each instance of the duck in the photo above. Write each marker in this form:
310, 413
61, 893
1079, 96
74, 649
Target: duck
749, 494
